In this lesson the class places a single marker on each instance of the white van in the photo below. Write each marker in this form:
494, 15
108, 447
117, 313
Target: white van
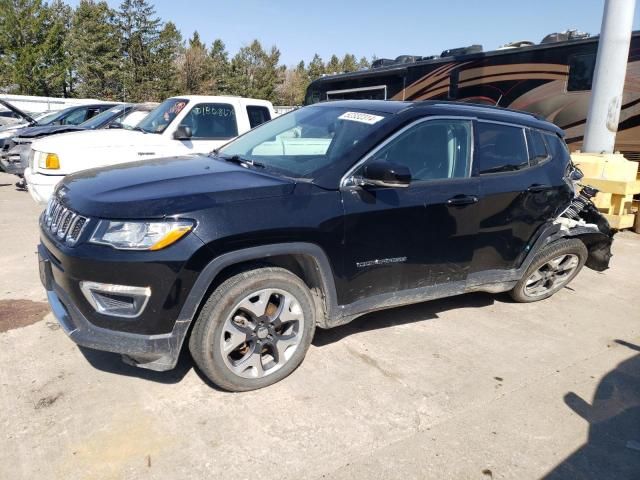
178, 126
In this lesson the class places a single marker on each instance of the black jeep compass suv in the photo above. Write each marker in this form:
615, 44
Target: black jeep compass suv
313, 219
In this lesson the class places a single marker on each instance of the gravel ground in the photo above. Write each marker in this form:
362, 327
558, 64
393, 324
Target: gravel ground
472, 387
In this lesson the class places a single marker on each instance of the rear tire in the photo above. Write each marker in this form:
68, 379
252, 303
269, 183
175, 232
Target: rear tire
254, 329
551, 270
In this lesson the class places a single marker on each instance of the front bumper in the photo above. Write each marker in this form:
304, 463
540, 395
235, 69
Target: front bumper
155, 352
15, 159
41, 187
11, 164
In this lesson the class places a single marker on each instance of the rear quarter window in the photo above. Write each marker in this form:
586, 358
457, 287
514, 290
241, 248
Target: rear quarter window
537, 147
556, 146
501, 148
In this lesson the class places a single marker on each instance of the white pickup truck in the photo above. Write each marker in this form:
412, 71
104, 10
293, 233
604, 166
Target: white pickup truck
178, 126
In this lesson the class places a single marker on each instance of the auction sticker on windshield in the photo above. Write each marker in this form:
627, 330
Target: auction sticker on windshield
360, 117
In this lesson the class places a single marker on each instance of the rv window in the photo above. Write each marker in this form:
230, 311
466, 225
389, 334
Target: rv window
537, 149
433, 150
581, 69
501, 148
378, 92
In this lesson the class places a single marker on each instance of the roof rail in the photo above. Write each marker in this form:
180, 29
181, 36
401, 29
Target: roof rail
491, 107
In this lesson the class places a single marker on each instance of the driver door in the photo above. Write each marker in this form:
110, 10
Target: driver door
212, 125
421, 235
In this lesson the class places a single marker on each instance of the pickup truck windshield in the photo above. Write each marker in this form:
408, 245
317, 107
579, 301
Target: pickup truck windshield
162, 116
304, 141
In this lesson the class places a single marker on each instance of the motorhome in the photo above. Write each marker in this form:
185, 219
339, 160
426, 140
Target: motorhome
552, 79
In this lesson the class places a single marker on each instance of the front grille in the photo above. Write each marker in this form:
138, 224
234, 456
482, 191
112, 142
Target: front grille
63, 223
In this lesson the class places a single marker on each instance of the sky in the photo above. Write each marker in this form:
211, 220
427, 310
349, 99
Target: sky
386, 29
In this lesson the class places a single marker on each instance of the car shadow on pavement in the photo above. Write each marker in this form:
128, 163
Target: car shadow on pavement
112, 363
612, 450
402, 315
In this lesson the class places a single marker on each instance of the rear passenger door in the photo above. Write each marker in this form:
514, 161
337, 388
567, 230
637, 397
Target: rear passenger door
518, 192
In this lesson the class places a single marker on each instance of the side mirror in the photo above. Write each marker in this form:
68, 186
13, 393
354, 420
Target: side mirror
183, 132
384, 174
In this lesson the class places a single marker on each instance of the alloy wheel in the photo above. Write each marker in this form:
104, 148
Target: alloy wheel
262, 333
551, 276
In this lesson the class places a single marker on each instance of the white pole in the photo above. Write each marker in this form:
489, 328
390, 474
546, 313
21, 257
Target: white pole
608, 80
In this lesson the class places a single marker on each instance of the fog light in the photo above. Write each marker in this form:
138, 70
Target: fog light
116, 300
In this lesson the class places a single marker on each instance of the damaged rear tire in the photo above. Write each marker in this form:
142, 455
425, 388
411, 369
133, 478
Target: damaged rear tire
551, 270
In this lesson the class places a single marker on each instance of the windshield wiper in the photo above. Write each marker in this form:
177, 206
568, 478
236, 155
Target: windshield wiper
140, 129
237, 159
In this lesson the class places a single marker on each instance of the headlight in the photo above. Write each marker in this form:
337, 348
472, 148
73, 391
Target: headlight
140, 235
48, 160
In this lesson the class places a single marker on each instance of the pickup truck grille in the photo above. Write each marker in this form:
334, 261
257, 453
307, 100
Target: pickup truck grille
63, 223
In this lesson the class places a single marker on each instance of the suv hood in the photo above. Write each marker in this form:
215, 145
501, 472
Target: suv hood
34, 132
167, 186
28, 118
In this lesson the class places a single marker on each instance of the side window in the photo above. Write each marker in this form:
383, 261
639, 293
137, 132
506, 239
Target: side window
76, 117
92, 112
501, 148
433, 150
212, 121
257, 115
581, 69
537, 148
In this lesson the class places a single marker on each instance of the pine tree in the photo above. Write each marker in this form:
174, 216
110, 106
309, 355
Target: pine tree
140, 31
293, 88
333, 65
255, 73
363, 63
194, 66
349, 63
219, 68
316, 68
32, 41
54, 61
165, 62
94, 44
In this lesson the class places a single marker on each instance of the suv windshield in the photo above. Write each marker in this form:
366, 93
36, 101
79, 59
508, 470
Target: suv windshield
53, 116
101, 118
304, 141
160, 118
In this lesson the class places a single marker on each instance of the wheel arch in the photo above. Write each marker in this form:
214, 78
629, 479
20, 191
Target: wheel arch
306, 260
598, 245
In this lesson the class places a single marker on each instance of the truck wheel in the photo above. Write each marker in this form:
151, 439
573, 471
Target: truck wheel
254, 329
551, 270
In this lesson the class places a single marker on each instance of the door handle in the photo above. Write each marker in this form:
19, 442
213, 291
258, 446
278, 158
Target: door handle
537, 187
460, 200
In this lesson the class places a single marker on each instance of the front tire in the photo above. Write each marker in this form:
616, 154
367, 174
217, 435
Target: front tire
551, 270
254, 329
